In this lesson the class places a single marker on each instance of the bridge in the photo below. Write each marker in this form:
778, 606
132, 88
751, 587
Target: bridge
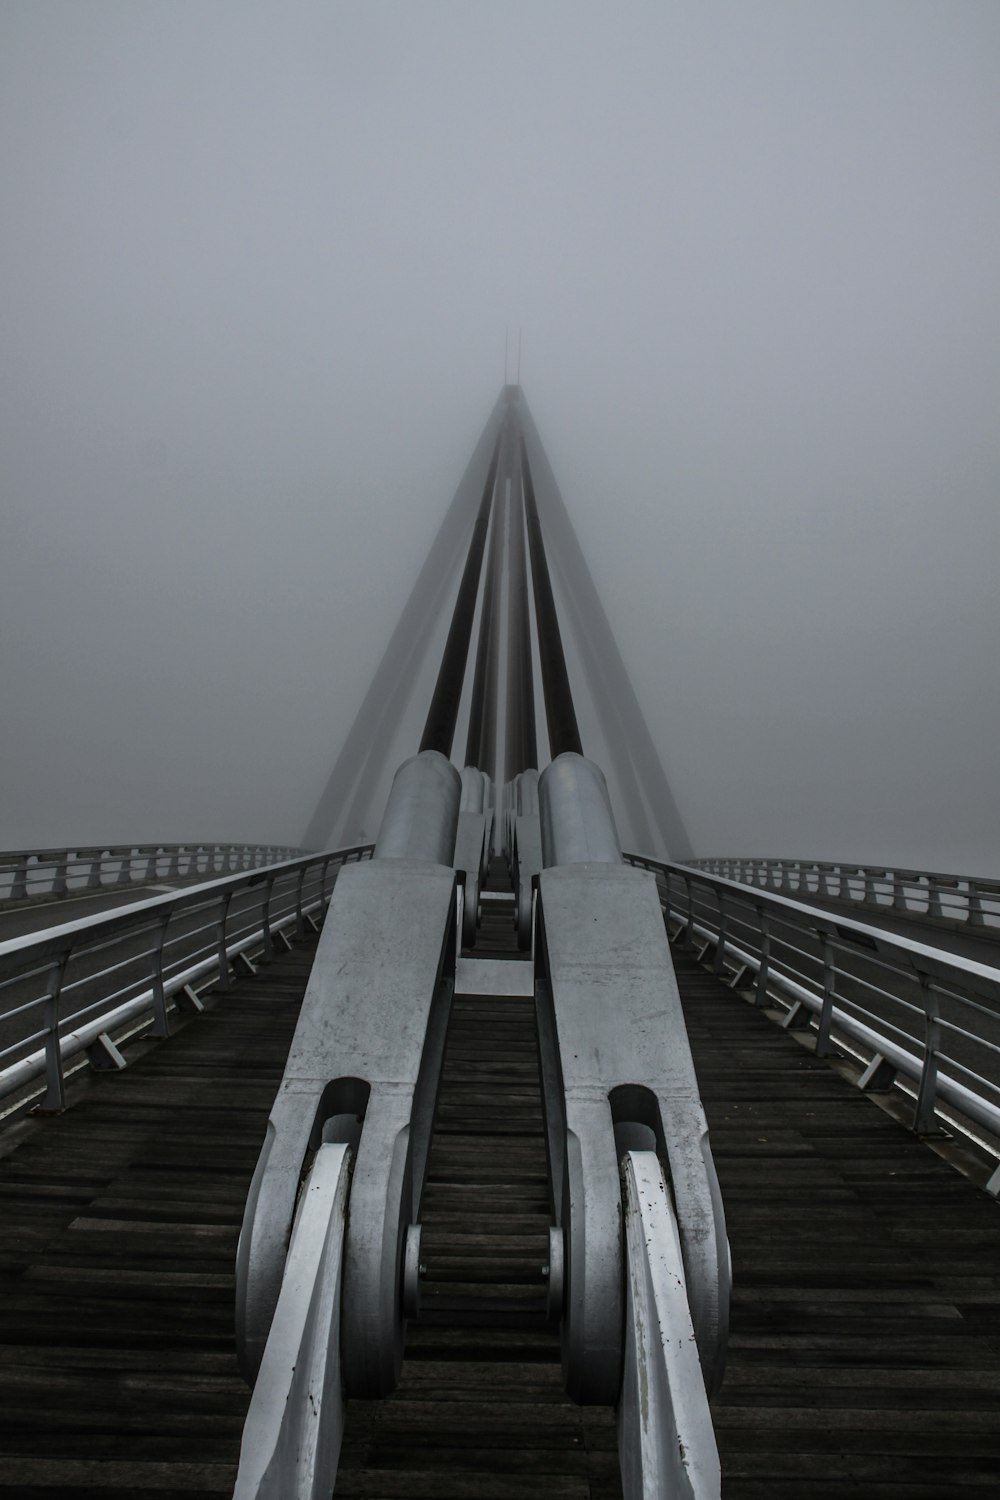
501, 1156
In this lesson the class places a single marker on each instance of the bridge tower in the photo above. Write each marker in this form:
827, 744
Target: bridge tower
637, 1256
430, 1102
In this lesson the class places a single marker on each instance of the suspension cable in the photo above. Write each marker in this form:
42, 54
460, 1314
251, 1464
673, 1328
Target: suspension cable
442, 716
521, 746
564, 733
480, 748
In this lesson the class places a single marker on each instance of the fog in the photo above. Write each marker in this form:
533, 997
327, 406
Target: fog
257, 265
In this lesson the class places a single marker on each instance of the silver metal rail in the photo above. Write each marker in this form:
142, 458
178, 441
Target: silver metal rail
295, 1424
64, 991
666, 1442
963, 901
27, 874
914, 1011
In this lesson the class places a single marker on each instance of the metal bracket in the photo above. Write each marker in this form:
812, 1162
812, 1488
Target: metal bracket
104, 1056
798, 1017
879, 1077
188, 999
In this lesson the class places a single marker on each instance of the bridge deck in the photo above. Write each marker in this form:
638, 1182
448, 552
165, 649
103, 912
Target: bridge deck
865, 1347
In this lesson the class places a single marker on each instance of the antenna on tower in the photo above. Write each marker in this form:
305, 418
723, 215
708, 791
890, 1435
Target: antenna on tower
519, 356
505, 337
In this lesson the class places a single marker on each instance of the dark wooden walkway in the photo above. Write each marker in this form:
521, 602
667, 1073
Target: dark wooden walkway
865, 1347
864, 1356
480, 1410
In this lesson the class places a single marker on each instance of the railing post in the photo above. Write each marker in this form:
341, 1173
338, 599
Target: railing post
935, 906
870, 897
899, 892
689, 925
924, 1119
826, 1013
760, 990
161, 1025
59, 884
19, 887
94, 873
223, 959
720, 948
300, 926
977, 917
268, 938
323, 898
55, 1085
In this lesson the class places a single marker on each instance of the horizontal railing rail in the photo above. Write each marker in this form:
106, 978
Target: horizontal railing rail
69, 989
915, 1012
970, 901
29, 874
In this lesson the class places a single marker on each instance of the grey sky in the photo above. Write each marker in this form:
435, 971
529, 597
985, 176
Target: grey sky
256, 266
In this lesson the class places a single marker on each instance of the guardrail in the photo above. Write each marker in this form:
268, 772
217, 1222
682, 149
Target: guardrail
958, 900
916, 1012
27, 874
64, 991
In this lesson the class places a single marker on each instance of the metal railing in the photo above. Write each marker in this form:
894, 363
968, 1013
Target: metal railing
967, 901
917, 1015
69, 989
28, 874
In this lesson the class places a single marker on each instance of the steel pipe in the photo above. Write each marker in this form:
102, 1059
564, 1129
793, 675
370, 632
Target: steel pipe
442, 716
480, 745
521, 740
564, 733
